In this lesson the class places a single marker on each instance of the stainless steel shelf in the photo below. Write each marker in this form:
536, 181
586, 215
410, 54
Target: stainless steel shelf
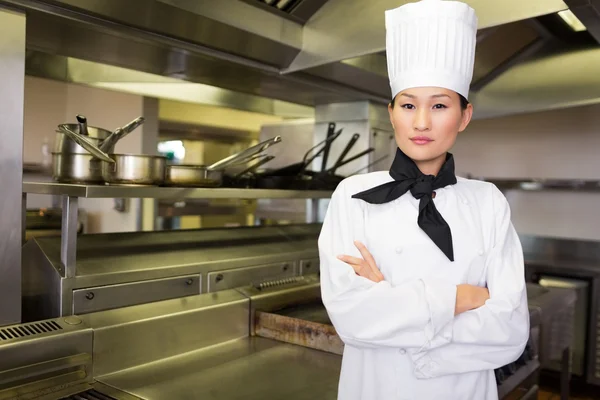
545, 184
154, 192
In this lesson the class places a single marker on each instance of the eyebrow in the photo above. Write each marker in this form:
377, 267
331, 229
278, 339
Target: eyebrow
435, 96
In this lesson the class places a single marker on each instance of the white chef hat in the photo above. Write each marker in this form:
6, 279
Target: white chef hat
431, 43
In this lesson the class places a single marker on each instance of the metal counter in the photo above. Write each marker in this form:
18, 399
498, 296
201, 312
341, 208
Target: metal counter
249, 368
123, 269
210, 345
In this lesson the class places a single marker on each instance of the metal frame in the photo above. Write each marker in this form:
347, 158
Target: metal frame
12, 87
70, 195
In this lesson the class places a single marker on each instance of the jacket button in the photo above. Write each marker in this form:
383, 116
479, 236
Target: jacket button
398, 249
480, 252
465, 201
402, 351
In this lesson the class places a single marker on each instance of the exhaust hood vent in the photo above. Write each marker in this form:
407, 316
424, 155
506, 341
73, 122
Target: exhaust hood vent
283, 5
89, 395
296, 10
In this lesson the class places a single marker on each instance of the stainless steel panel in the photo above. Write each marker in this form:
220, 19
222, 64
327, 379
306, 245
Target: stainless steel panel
233, 278
160, 22
58, 31
128, 294
47, 360
275, 298
255, 20
95, 74
311, 266
68, 235
249, 369
171, 193
132, 336
329, 38
573, 251
578, 347
65, 371
119, 258
12, 86
41, 285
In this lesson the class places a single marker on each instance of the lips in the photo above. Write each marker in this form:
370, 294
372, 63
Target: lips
421, 140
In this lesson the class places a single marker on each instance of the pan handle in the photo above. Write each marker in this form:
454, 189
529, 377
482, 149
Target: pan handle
259, 148
327, 142
253, 167
330, 132
346, 150
108, 144
359, 155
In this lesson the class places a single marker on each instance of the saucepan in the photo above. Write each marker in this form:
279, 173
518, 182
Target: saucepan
212, 175
78, 167
65, 144
82, 148
101, 138
134, 169
119, 169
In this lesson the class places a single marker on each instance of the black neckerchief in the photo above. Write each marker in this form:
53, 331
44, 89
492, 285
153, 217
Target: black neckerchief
407, 176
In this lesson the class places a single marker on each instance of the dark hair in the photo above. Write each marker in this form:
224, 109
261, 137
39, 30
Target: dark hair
463, 102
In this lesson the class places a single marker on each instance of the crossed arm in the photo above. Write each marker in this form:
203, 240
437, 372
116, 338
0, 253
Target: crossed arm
468, 297
447, 329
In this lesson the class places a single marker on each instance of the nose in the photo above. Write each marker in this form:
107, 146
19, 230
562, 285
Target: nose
422, 120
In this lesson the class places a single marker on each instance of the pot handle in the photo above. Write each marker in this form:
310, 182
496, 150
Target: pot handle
85, 143
109, 143
242, 155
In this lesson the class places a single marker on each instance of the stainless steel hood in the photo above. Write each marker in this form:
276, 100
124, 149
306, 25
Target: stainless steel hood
312, 52
343, 29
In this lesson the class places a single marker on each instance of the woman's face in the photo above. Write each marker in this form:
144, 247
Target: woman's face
426, 122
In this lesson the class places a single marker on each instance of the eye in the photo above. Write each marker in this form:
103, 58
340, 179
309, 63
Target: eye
408, 106
439, 106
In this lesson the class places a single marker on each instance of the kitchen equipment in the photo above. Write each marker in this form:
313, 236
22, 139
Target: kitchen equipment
327, 180
250, 152
76, 168
349, 160
330, 133
83, 129
134, 169
108, 145
117, 169
66, 144
212, 175
85, 142
247, 177
344, 152
191, 176
252, 168
300, 167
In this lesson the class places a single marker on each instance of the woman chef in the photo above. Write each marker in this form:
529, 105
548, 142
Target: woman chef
408, 256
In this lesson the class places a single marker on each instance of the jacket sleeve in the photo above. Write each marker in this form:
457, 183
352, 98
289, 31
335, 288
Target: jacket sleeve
495, 334
369, 314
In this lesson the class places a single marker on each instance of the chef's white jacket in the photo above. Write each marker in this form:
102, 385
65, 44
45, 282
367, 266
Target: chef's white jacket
402, 340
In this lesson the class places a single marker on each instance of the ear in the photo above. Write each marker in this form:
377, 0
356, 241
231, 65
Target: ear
467, 114
391, 113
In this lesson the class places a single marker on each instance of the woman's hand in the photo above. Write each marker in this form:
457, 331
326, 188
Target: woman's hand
366, 266
469, 297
